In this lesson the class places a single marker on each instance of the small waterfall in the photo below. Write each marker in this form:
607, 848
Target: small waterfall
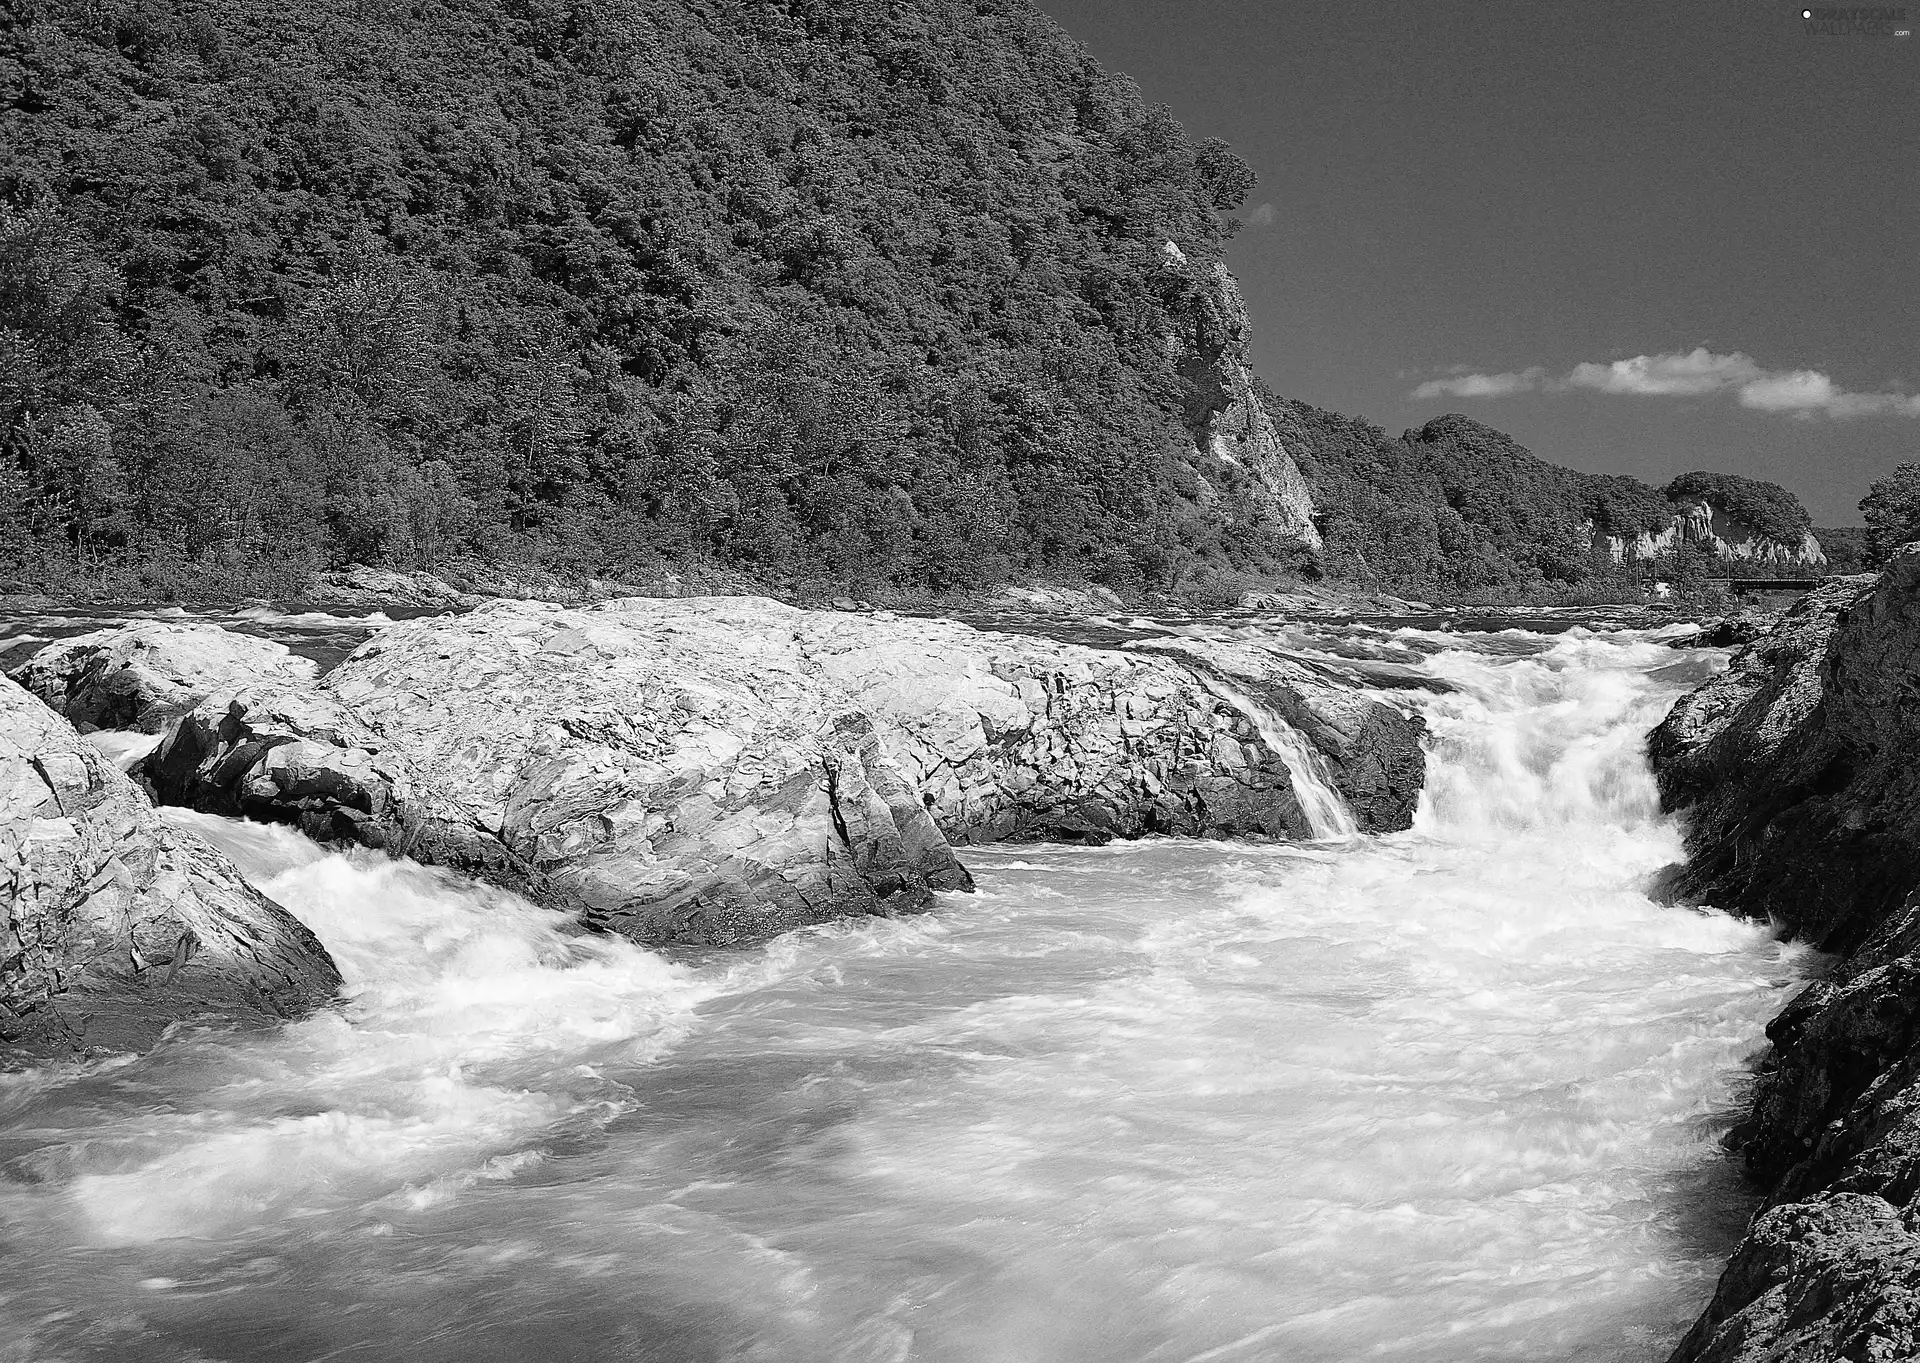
1326, 810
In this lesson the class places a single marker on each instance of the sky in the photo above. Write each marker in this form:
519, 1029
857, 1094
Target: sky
1640, 238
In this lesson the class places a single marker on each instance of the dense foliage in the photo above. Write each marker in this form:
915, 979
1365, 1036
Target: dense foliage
1845, 547
1456, 508
1764, 509
871, 290
1892, 511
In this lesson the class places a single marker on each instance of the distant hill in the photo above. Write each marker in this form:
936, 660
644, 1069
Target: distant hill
875, 292
1456, 507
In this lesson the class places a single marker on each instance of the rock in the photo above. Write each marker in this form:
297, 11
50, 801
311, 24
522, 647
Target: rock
118, 925
1836, 1277
376, 588
1796, 771
1792, 766
720, 769
676, 771
294, 754
1055, 600
146, 675
1728, 631
1013, 736
1228, 421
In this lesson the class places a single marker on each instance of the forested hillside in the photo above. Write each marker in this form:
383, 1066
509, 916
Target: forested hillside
875, 291
877, 294
1457, 508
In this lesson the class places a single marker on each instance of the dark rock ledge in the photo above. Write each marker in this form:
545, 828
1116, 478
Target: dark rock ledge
1799, 772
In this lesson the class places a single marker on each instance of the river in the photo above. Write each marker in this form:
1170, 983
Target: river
1448, 1094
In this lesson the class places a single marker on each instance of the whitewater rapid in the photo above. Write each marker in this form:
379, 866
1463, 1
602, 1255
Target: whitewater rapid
1448, 1094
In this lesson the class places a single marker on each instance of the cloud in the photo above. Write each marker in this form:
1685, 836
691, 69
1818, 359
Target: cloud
1263, 216
1483, 385
1694, 373
1676, 375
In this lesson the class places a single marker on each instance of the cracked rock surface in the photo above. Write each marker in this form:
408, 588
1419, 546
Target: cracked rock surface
716, 770
118, 925
1798, 771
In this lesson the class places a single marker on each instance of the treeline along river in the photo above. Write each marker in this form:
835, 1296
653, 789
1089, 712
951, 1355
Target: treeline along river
1444, 1094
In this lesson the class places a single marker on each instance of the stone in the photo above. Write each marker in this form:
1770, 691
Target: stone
1791, 767
144, 676
716, 770
1795, 772
118, 925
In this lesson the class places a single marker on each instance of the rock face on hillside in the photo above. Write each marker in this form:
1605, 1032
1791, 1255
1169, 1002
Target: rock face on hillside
1701, 523
1224, 412
117, 925
720, 769
1799, 772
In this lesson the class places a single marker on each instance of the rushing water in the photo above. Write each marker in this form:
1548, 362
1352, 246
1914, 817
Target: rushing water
1449, 1094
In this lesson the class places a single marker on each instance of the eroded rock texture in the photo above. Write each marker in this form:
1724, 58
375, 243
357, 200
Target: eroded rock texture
1795, 767
118, 925
144, 676
720, 769
1799, 773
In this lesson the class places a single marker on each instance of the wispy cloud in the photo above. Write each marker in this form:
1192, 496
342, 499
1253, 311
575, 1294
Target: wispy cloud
1694, 373
1263, 216
1482, 385
1676, 375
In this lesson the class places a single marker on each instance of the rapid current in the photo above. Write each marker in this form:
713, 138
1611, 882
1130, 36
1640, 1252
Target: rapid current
1448, 1094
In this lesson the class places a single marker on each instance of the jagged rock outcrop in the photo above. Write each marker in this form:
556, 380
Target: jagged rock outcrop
1223, 409
719, 769
1797, 772
1794, 767
1830, 1269
118, 925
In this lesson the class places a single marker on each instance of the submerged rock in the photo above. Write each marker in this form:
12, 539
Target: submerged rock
1799, 773
117, 924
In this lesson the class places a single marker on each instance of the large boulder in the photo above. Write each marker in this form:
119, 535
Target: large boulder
674, 774
118, 925
719, 769
145, 675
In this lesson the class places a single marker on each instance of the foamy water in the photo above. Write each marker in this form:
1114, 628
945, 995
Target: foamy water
1449, 1094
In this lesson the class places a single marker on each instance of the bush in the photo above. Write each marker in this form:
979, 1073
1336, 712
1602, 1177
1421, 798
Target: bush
1892, 511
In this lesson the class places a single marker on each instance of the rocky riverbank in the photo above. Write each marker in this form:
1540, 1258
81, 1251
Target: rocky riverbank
1796, 771
717, 770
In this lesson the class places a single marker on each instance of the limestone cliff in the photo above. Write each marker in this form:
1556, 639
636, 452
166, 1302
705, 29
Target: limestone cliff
1237, 449
1713, 529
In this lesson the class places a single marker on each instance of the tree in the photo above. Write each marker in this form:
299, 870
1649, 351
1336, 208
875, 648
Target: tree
1892, 511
